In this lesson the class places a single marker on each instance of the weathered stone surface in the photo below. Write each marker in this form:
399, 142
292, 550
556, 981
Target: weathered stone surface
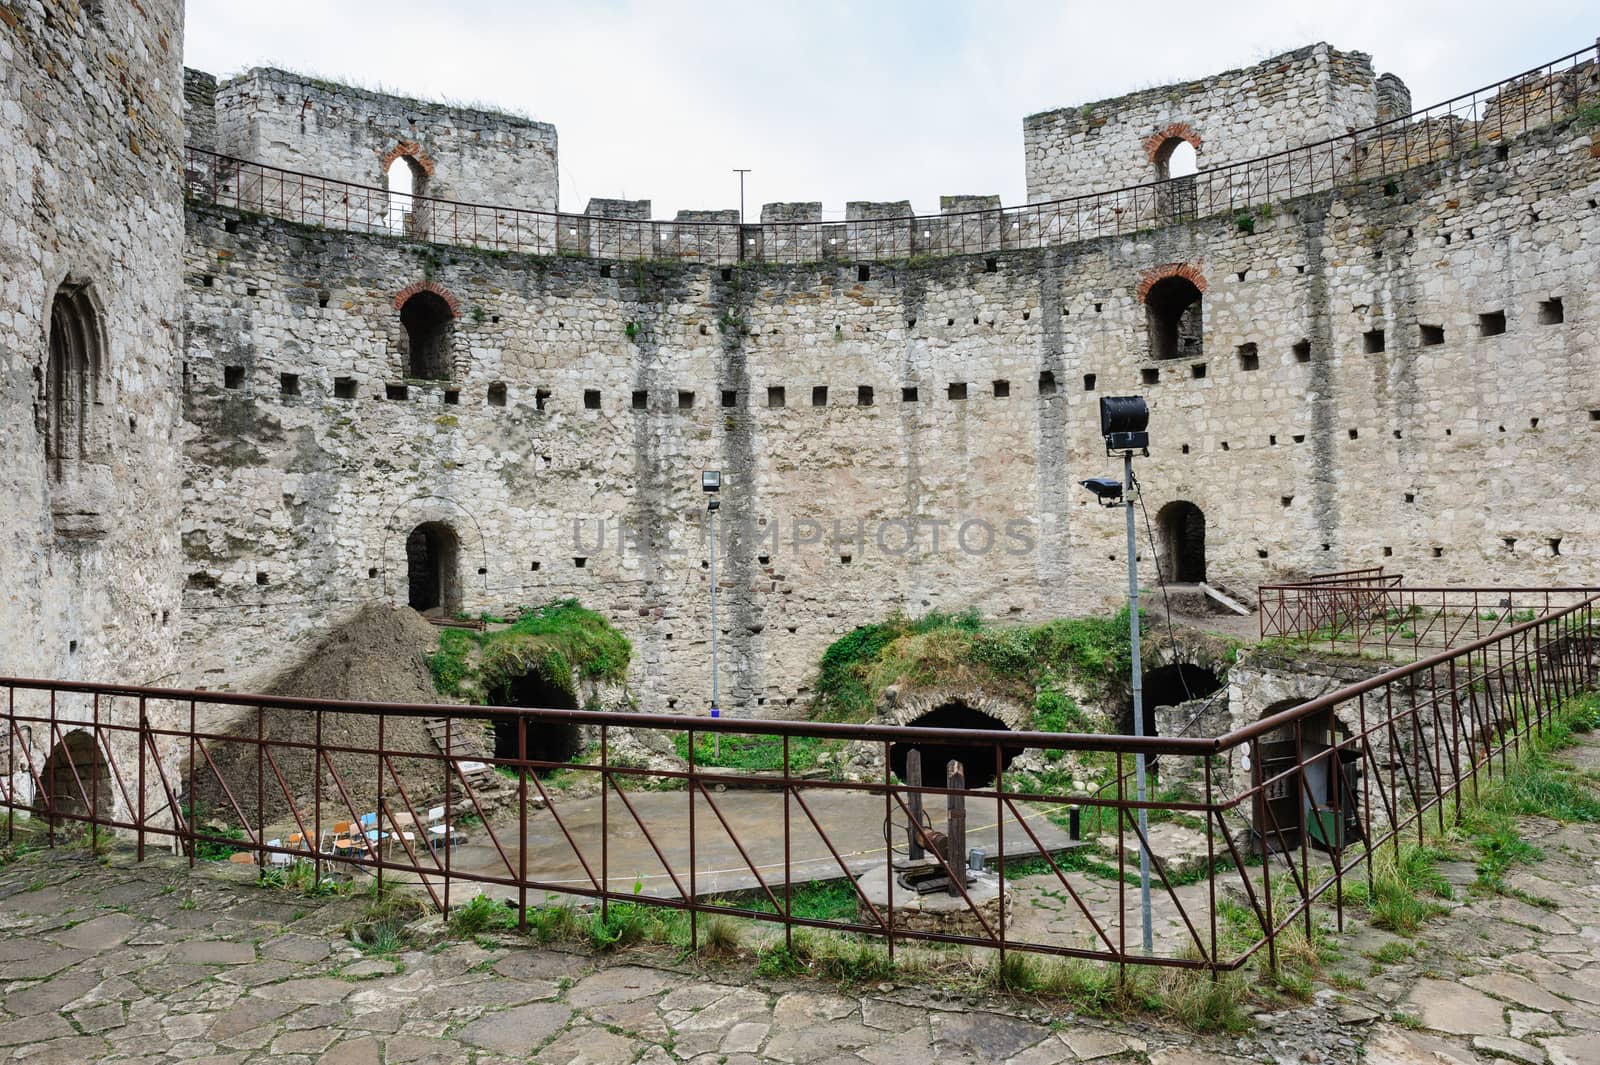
518, 1030
1455, 1009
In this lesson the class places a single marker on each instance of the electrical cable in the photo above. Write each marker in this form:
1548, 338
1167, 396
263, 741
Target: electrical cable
1161, 581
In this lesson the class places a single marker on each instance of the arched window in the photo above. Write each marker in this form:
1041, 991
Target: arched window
72, 379
427, 319
405, 180
1176, 158
1172, 309
433, 579
1183, 542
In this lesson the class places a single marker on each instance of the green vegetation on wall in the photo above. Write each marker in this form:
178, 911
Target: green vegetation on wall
557, 641
1029, 663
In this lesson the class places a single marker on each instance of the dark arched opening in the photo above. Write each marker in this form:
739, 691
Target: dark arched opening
75, 780
1183, 542
977, 759
1173, 313
1302, 787
1169, 686
432, 576
428, 323
548, 741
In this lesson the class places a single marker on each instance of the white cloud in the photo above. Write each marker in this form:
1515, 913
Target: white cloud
829, 101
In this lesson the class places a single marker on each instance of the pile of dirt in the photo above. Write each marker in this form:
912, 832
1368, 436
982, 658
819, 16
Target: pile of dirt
376, 655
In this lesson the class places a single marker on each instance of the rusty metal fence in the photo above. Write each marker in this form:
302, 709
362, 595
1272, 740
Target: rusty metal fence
1373, 612
1291, 808
1482, 120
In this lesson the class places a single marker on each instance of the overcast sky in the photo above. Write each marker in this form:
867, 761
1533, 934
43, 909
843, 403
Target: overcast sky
831, 101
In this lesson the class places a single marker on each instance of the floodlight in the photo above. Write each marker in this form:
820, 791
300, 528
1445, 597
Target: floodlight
1123, 420
1107, 491
710, 480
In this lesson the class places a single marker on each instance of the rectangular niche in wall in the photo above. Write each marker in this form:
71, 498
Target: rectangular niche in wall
1492, 324
641, 399
1302, 351
344, 388
497, 394
1002, 389
541, 398
1431, 335
398, 392
1551, 312
1372, 341
289, 384
233, 377
1249, 358
957, 390
775, 396
908, 394
685, 400
863, 395
819, 396
591, 399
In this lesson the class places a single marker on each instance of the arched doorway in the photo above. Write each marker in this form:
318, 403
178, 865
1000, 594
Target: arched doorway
548, 741
1304, 788
977, 759
75, 780
1170, 685
1183, 542
1176, 158
432, 568
406, 180
1173, 315
428, 323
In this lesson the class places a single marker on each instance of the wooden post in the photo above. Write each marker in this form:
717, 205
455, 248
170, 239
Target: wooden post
914, 779
956, 827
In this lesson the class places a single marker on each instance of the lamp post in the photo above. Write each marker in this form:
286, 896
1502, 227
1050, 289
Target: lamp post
711, 484
741, 172
1123, 420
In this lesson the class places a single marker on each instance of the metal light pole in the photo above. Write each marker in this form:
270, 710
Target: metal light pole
741, 174
1138, 698
1122, 422
711, 482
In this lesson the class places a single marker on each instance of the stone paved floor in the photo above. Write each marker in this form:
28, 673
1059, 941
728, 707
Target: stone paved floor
124, 962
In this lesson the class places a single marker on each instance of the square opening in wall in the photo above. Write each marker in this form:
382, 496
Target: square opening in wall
541, 398
863, 395
396, 392
452, 397
497, 394
591, 399
1438, 552
1431, 335
641, 399
1249, 359
775, 396
261, 578
233, 377
579, 562
1372, 341
372, 571
956, 390
1551, 312
908, 394
1388, 552
819, 395
1197, 371
1302, 351
863, 273
730, 398
1002, 389
533, 567
685, 400
605, 269
289, 384
1150, 375
1594, 416
1492, 324
344, 388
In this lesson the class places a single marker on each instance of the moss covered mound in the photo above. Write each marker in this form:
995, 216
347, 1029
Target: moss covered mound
561, 641
1032, 664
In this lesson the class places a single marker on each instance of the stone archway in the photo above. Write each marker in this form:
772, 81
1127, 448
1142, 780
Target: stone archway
75, 780
954, 712
433, 574
548, 741
1182, 531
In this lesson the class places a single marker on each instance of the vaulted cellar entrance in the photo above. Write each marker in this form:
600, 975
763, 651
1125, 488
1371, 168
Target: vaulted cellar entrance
432, 569
976, 759
547, 741
74, 776
1301, 795
1169, 686
1183, 542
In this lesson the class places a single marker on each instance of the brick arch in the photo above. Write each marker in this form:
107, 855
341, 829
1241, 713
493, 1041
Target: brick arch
411, 149
1148, 279
1178, 130
428, 286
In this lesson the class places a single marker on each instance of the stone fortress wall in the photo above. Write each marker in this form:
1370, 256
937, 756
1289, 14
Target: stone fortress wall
91, 229
1400, 370
1303, 96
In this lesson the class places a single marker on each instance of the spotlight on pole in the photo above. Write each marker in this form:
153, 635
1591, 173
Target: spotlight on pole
1124, 422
